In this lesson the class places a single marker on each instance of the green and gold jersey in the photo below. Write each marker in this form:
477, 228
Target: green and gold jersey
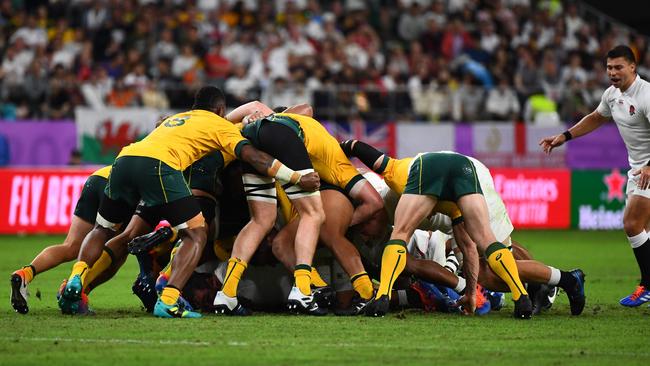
183, 138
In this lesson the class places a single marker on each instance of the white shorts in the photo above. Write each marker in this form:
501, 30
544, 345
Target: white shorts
428, 245
632, 188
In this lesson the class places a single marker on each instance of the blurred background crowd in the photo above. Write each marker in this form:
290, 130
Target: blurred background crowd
402, 60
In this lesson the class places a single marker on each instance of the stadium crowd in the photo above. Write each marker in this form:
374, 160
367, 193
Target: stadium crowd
460, 60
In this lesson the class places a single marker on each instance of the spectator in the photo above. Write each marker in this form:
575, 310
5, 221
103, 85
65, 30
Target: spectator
467, 100
184, 61
122, 95
35, 88
455, 39
411, 23
541, 110
96, 89
502, 103
238, 86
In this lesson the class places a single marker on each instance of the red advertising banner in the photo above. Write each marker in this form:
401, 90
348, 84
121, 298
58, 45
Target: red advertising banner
535, 198
39, 200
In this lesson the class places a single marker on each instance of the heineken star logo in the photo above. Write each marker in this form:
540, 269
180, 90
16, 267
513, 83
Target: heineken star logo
615, 182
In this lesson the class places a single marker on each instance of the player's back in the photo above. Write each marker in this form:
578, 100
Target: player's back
185, 137
325, 153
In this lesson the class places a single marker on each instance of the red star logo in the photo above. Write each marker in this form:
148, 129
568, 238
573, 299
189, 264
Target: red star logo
615, 182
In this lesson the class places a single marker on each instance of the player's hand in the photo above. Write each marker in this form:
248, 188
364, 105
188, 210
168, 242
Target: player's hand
549, 143
252, 117
310, 182
468, 303
642, 177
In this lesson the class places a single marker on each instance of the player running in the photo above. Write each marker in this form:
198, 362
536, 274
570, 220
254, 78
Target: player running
627, 102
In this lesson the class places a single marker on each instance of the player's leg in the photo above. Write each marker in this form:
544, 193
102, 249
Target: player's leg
183, 214
110, 219
114, 253
49, 258
261, 196
338, 215
431, 271
635, 220
499, 258
411, 210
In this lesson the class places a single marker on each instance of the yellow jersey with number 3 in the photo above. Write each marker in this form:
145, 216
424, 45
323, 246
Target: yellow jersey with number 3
183, 138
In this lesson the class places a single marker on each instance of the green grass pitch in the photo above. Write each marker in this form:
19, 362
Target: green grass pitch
121, 334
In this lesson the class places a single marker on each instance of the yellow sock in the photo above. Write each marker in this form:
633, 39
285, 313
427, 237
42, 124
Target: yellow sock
393, 261
302, 276
104, 261
167, 271
362, 284
503, 264
316, 279
170, 295
28, 271
80, 268
236, 268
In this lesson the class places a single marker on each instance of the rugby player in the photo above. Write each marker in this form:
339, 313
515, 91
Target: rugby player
329, 161
81, 224
440, 182
627, 102
531, 271
151, 170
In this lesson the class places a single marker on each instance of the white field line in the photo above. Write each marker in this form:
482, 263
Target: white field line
422, 347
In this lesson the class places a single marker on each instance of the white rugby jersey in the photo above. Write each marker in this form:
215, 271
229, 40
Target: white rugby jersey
631, 112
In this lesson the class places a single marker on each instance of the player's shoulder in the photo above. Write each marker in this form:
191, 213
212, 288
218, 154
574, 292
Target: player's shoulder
609, 91
644, 87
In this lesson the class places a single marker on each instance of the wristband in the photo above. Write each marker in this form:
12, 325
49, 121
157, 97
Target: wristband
567, 135
283, 174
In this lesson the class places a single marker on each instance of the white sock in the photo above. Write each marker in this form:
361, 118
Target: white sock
638, 240
460, 287
555, 276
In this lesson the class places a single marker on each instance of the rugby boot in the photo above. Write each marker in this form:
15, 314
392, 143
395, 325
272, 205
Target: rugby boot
226, 305
299, 303
523, 308
71, 296
19, 293
177, 310
378, 307
640, 296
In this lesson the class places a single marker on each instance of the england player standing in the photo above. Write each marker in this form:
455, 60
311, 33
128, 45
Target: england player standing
627, 102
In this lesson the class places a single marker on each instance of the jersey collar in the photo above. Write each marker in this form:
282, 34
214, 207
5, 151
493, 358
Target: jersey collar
634, 84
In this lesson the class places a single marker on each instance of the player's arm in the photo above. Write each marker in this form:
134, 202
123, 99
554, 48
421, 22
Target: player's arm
368, 201
587, 124
470, 264
251, 108
266, 164
302, 109
369, 156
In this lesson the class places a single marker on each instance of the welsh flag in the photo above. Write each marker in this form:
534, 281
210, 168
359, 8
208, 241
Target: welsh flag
103, 132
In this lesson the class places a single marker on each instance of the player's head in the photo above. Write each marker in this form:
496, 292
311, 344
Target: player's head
621, 66
210, 98
279, 109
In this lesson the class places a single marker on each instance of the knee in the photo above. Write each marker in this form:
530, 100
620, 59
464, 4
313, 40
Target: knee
265, 222
71, 250
316, 214
633, 226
